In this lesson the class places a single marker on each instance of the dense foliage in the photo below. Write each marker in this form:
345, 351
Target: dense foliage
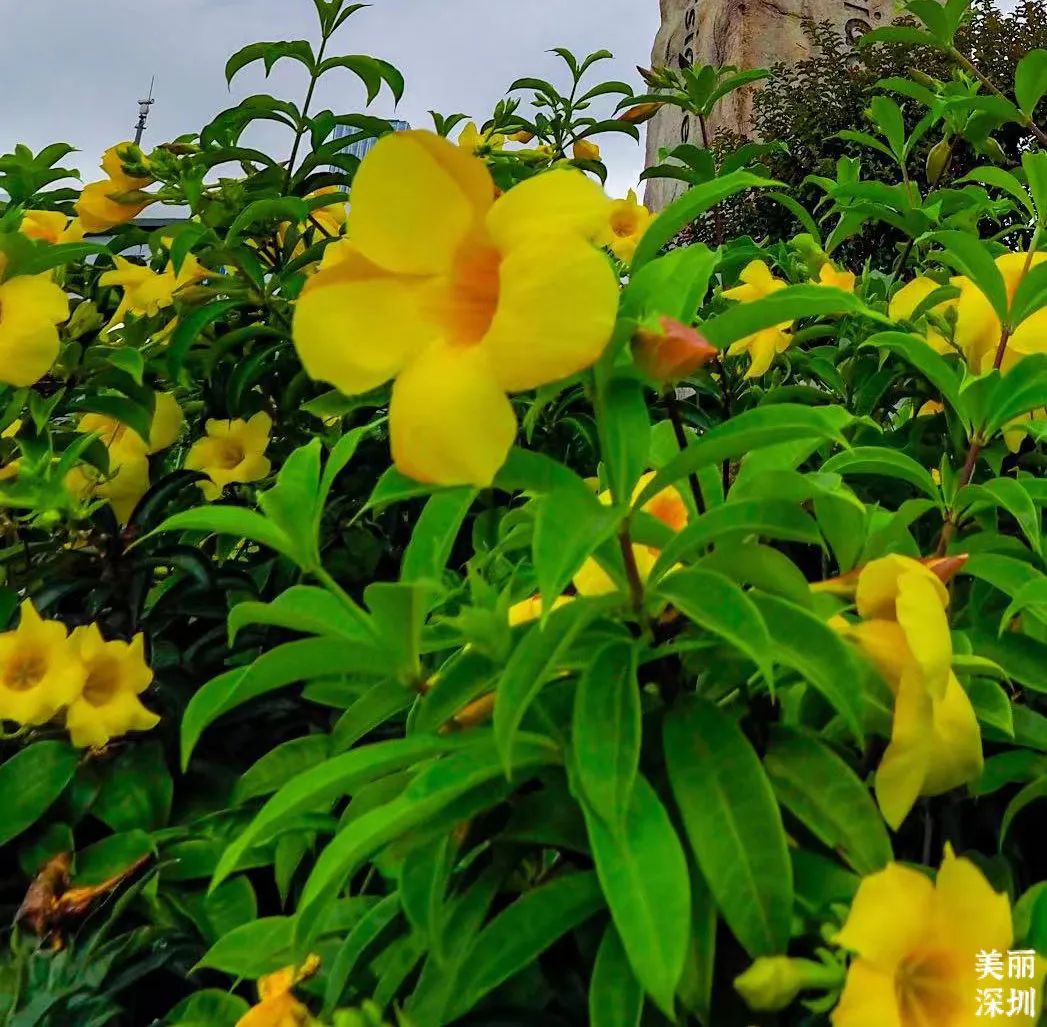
468, 607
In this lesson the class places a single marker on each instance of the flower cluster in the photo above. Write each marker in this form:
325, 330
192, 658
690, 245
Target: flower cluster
95, 683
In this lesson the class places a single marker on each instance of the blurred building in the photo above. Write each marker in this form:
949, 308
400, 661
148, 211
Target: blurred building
362, 147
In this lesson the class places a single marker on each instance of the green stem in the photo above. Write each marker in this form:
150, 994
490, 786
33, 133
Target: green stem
300, 134
632, 572
335, 589
681, 440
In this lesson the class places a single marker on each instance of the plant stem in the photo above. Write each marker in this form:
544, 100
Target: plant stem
299, 135
681, 440
632, 572
335, 589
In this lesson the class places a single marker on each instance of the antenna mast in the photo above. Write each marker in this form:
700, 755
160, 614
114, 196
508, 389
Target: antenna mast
143, 112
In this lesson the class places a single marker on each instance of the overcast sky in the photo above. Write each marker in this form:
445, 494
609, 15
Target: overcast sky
73, 71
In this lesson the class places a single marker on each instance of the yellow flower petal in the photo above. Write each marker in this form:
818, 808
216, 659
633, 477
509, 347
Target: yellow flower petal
890, 916
356, 327
99, 212
969, 916
167, 422
757, 282
30, 308
416, 197
956, 745
921, 614
878, 587
903, 770
883, 642
559, 203
977, 326
556, 311
868, 999
450, 422
830, 275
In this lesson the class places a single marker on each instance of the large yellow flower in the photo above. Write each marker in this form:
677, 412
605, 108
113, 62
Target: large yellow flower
829, 274
122, 487
460, 298
935, 740
97, 207
115, 674
626, 223
39, 673
51, 226
472, 139
668, 506
764, 345
31, 308
277, 1005
231, 451
917, 948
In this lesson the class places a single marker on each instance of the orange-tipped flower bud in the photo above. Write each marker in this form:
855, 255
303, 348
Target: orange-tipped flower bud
675, 352
640, 113
521, 137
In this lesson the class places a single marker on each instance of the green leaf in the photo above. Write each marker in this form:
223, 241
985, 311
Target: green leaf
308, 609
274, 210
931, 365
228, 520
371, 71
1029, 794
368, 929
138, 790
111, 857
294, 661
607, 730
673, 285
1030, 80
1023, 658
521, 933
885, 462
208, 1008
991, 704
615, 996
973, 258
752, 429
643, 873
785, 305
320, 785
398, 610
457, 777
570, 524
750, 563
688, 208
190, 327
269, 52
732, 822
287, 760
533, 663
624, 424
1022, 389
1007, 494
378, 704
822, 792
30, 781
1034, 164
772, 518
717, 604
805, 643
252, 949
434, 535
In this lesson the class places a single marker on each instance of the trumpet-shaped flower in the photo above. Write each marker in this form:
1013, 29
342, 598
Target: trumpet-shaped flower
231, 451
100, 206
39, 673
935, 740
829, 274
115, 674
668, 506
916, 946
145, 291
31, 308
277, 1005
762, 346
460, 298
905, 301
51, 226
585, 150
472, 139
626, 224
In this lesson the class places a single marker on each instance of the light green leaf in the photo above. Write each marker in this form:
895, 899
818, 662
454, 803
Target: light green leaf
615, 995
30, 781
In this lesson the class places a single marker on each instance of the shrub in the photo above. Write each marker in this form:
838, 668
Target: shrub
468, 609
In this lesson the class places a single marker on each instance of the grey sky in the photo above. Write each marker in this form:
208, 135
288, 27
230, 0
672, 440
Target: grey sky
73, 71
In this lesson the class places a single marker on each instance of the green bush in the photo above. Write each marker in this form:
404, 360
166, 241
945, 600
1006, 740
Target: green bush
466, 608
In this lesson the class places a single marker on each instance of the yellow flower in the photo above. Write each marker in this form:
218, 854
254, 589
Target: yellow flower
978, 328
147, 292
935, 740
828, 274
277, 1006
31, 308
625, 227
916, 946
459, 298
232, 451
909, 297
1015, 431
115, 674
51, 226
122, 488
530, 609
668, 506
762, 346
931, 408
39, 673
585, 150
97, 207
332, 216
471, 139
